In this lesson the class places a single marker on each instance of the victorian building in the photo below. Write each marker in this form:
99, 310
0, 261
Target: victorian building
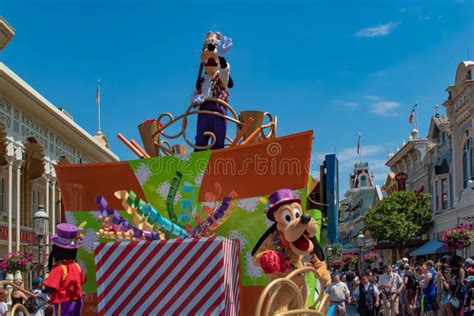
36, 135
361, 196
442, 163
459, 199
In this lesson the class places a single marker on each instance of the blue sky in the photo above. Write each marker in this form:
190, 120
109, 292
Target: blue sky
338, 68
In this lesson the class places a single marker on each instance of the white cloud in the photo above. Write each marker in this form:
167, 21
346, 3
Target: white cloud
372, 97
385, 108
424, 17
350, 153
347, 104
348, 156
378, 30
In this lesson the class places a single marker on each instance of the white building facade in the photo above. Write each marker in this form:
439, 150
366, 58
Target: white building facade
35, 136
460, 111
361, 196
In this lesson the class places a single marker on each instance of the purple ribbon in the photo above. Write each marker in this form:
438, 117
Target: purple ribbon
218, 214
122, 223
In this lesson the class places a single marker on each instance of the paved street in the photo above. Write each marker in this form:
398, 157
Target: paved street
351, 311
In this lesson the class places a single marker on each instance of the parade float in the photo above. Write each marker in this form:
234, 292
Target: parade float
173, 232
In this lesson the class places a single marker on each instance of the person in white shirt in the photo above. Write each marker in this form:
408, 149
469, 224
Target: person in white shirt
338, 294
390, 284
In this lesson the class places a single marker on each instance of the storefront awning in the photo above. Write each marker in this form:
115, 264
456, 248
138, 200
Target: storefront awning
431, 247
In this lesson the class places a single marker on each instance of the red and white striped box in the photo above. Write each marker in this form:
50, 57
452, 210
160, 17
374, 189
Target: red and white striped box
195, 276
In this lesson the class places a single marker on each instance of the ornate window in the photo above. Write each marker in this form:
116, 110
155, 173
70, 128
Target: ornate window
363, 181
444, 193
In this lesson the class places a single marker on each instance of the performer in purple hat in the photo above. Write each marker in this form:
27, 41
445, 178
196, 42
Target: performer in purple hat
65, 279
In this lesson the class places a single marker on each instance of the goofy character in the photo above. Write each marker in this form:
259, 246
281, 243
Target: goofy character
282, 248
213, 84
65, 279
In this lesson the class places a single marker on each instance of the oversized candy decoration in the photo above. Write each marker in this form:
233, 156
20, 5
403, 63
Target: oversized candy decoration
172, 196
156, 218
216, 219
153, 216
120, 227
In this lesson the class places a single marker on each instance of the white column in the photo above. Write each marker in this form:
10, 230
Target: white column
18, 205
53, 205
46, 201
10, 205
60, 205
18, 163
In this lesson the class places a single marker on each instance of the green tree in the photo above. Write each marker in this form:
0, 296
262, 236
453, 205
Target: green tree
400, 218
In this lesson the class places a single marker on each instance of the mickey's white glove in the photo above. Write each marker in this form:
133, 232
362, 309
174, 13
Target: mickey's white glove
197, 99
225, 43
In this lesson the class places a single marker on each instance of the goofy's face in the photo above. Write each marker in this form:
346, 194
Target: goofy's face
296, 227
209, 57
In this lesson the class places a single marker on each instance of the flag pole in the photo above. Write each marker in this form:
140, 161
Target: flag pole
360, 147
416, 105
98, 104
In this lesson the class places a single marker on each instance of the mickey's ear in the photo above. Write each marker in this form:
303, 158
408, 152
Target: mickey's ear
198, 80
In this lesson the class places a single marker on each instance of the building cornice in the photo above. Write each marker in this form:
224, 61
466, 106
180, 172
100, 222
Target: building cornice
404, 150
75, 133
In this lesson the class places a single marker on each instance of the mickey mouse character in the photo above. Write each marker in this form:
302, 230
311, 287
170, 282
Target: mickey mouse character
65, 279
282, 248
213, 84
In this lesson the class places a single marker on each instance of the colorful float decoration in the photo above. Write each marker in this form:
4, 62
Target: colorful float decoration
192, 199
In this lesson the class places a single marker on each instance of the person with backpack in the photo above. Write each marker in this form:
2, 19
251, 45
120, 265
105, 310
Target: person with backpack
458, 286
410, 281
367, 297
391, 285
37, 306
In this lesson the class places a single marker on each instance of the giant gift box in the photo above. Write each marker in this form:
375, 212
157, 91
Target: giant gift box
195, 276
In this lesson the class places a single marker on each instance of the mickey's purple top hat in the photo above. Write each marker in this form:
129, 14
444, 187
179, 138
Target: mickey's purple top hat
67, 236
277, 199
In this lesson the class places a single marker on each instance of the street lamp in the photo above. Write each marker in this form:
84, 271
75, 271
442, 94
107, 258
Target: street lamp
361, 244
329, 250
40, 227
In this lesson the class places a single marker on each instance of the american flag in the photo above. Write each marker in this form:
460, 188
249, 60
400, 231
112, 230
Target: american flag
412, 114
97, 95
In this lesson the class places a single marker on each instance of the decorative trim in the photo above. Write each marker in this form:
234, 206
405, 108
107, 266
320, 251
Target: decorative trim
24, 126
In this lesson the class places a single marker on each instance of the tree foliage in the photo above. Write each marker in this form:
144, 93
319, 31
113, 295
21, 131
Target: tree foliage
400, 217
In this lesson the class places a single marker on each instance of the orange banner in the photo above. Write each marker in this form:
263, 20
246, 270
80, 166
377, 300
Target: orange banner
261, 168
81, 184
